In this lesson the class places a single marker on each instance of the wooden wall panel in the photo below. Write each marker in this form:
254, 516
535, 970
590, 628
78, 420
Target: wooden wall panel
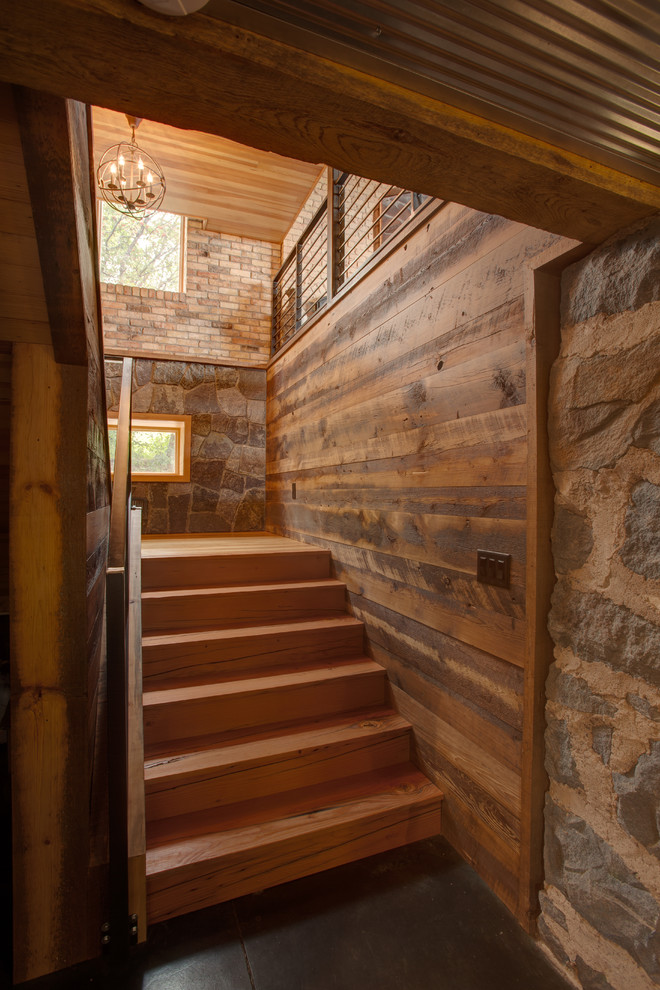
401, 416
59, 492
5, 418
24, 316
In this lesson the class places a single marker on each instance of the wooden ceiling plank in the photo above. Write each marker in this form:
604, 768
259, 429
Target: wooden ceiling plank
253, 193
262, 93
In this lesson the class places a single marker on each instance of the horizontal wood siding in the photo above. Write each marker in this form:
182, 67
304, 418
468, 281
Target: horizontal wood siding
401, 417
58, 488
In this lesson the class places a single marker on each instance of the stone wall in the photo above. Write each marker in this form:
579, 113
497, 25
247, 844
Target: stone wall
224, 315
600, 906
226, 491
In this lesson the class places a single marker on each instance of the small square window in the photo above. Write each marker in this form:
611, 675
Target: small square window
145, 254
160, 447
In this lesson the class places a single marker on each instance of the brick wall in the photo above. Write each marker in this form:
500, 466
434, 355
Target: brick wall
223, 316
307, 211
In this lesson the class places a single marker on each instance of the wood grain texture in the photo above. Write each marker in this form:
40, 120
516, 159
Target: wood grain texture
542, 305
345, 821
198, 710
24, 315
5, 433
402, 417
182, 610
137, 843
54, 138
49, 755
238, 190
285, 761
58, 515
269, 95
225, 653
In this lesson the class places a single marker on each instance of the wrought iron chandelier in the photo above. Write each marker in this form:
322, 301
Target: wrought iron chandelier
130, 180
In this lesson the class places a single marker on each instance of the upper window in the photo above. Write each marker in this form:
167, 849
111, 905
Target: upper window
143, 253
160, 447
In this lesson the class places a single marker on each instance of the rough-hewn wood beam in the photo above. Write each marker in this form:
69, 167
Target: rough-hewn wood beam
49, 760
54, 139
201, 74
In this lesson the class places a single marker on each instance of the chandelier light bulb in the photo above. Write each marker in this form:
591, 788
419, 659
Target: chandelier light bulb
128, 163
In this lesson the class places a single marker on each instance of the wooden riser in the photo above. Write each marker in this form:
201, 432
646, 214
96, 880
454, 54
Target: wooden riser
196, 571
287, 761
186, 712
221, 608
270, 751
198, 657
382, 811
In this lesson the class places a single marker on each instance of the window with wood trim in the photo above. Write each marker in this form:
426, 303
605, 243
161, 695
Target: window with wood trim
144, 254
160, 447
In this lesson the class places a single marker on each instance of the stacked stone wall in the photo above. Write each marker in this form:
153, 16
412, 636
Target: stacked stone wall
226, 491
224, 315
601, 902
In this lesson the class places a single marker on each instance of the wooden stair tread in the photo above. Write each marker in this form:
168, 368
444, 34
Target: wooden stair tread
226, 591
289, 760
246, 827
212, 607
152, 640
217, 654
196, 562
390, 810
269, 682
222, 545
274, 747
240, 737
248, 703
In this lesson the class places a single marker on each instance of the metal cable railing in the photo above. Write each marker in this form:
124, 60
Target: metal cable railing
357, 220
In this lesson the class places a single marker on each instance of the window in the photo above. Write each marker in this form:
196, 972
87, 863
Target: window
160, 447
143, 253
393, 211
341, 242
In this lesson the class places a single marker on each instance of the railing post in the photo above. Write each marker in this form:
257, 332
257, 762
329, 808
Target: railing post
331, 227
299, 286
117, 936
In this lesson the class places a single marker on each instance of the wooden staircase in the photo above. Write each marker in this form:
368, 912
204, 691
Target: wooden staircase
271, 751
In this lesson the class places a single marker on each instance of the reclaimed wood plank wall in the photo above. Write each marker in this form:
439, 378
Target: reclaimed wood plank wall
58, 489
401, 417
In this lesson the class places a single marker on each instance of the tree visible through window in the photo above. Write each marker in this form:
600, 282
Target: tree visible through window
142, 253
160, 446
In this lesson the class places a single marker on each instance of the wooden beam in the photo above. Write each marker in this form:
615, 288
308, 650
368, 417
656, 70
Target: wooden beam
202, 74
55, 149
57, 485
24, 315
49, 760
542, 298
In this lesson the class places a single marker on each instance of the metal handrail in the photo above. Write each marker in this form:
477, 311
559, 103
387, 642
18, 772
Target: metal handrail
117, 934
121, 486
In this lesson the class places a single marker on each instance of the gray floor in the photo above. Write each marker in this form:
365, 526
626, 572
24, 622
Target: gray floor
416, 918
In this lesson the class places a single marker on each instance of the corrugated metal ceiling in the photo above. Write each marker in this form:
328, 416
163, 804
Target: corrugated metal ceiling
582, 74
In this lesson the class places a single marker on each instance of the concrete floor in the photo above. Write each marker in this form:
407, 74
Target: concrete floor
417, 918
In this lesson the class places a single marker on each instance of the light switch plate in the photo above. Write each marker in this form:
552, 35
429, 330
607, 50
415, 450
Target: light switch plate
494, 568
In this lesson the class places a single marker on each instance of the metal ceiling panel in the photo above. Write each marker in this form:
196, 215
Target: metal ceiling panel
582, 74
